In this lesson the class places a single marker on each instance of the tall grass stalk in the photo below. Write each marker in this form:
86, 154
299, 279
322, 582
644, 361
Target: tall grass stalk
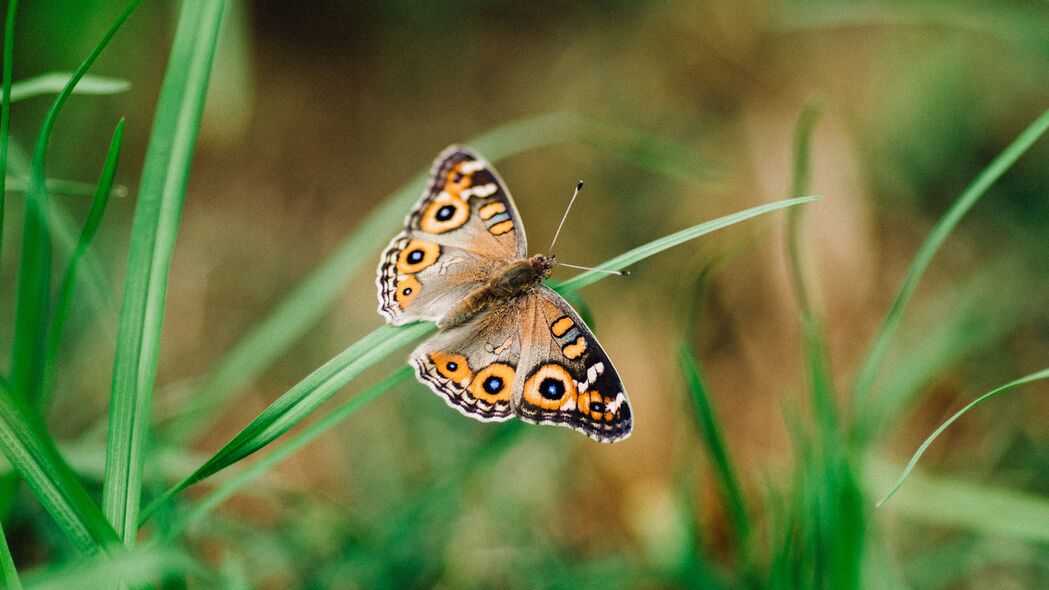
161, 194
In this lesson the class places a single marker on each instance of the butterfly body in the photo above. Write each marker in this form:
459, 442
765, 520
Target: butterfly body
508, 345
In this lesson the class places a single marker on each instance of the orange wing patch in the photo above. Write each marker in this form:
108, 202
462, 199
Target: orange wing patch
574, 350
416, 256
595, 406
452, 366
550, 388
561, 325
406, 290
493, 384
501, 228
491, 209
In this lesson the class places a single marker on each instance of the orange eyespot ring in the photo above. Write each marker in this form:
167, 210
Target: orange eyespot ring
451, 366
594, 405
444, 214
550, 387
457, 180
416, 256
406, 290
493, 383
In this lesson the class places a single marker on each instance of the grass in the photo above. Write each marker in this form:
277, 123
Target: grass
817, 530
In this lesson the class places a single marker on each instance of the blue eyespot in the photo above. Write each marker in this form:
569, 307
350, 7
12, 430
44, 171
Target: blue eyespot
445, 213
415, 256
552, 389
493, 385
451, 366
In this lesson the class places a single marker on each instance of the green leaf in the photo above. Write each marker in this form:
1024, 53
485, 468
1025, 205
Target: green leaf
641, 252
8, 574
132, 568
5, 104
714, 445
94, 220
153, 231
307, 435
25, 443
1043, 374
302, 399
54, 82
34, 276
939, 234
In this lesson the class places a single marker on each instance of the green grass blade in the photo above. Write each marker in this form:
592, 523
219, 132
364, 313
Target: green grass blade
54, 82
302, 399
307, 395
5, 105
641, 252
124, 569
1043, 374
34, 273
821, 384
26, 445
63, 187
8, 574
939, 234
162, 191
239, 481
714, 444
94, 220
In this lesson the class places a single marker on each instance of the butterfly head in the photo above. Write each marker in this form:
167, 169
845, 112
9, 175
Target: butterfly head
542, 265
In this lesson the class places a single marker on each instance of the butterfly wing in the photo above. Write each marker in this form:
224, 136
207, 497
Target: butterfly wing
473, 366
462, 229
564, 376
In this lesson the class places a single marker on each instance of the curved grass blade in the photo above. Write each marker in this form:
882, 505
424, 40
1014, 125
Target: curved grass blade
1043, 374
162, 191
5, 104
714, 443
63, 187
821, 384
54, 82
34, 273
301, 400
307, 395
94, 220
307, 435
8, 574
25, 443
305, 306
939, 234
641, 252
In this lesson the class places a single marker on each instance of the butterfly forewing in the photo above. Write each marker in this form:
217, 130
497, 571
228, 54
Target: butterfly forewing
565, 378
463, 228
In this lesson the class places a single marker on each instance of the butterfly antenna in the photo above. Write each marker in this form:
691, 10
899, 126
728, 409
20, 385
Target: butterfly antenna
578, 188
622, 273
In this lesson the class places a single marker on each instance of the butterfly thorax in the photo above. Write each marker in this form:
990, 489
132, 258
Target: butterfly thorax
512, 280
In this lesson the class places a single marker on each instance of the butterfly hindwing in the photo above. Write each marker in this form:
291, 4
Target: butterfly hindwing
564, 377
463, 228
473, 366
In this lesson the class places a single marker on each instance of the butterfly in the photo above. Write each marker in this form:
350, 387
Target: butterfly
508, 345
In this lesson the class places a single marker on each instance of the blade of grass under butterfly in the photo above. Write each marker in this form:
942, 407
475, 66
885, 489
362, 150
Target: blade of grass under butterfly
314, 296
302, 438
94, 220
30, 451
162, 191
8, 573
5, 105
34, 273
299, 401
1043, 374
54, 82
714, 444
941, 231
641, 252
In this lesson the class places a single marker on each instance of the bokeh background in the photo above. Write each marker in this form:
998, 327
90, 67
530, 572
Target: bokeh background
318, 111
